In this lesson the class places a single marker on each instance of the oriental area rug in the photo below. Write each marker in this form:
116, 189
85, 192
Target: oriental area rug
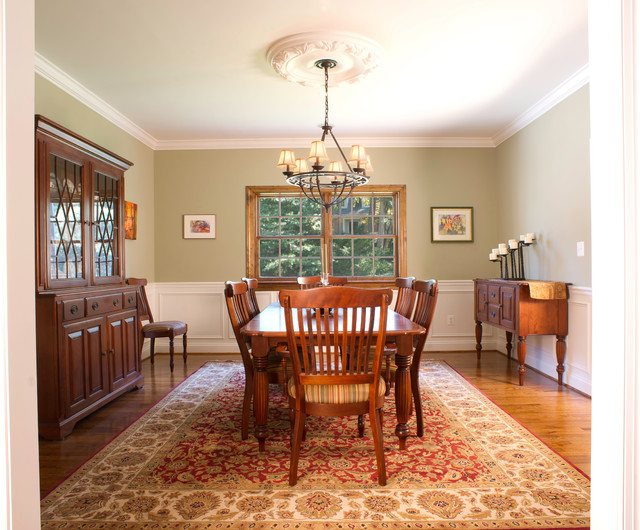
182, 465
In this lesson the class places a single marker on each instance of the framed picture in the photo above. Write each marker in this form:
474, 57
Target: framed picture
130, 220
200, 226
452, 224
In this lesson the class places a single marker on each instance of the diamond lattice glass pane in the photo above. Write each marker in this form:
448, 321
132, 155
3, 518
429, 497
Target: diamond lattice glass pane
65, 219
105, 213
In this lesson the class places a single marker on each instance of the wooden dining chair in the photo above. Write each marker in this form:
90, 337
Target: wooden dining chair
404, 306
252, 286
426, 298
310, 282
338, 371
239, 314
153, 330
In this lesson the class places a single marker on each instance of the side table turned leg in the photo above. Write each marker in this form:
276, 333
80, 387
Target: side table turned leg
522, 356
478, 339
509, 345
561, 350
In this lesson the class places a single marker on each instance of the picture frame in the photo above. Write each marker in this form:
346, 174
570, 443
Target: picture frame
130, 220
452, 224
200, 226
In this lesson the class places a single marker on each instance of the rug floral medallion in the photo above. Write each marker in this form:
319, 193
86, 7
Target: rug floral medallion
183, 466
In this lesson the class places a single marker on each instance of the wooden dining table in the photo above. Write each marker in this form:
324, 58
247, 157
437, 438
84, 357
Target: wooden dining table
267, 329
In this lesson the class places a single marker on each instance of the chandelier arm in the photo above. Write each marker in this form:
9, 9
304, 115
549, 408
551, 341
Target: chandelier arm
341, 152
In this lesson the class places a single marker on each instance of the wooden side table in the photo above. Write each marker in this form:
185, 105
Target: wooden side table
509, 305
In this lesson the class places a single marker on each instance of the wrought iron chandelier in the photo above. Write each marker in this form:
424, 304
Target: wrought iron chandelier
333, 185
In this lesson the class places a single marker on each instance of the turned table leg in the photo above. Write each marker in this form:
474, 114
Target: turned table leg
522, 355
403, 387
509, 345
478, 339
561, 350
260, 350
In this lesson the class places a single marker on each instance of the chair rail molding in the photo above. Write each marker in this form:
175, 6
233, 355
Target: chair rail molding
202, 306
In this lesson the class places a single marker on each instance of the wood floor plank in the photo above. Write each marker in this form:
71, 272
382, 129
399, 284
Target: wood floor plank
561, 417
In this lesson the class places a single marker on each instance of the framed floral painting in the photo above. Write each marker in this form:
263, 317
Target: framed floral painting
451, 224
200, 226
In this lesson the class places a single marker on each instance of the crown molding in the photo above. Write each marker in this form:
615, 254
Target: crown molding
292, 143
558, 94
55, 75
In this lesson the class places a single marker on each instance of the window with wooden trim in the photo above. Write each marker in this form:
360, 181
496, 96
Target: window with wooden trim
364, 239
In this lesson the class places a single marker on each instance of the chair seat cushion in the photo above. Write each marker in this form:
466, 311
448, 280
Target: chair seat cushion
165, 326
335, 394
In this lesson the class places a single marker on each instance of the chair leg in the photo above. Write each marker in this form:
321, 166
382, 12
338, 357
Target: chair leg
361, 425
375, 416
417, 401
387, 375
246, 407
171, 353
295, 446
184, 347
152, 348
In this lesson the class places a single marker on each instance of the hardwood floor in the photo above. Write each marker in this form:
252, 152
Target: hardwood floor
559, 416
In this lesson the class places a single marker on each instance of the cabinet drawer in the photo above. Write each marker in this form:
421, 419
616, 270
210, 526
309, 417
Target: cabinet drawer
96, 305
493, 315
72, 309
130, 300
493, 293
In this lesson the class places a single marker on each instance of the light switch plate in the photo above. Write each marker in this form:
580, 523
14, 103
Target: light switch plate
580, 249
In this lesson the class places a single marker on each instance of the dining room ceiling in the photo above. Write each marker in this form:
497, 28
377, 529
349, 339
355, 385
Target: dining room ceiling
195, 72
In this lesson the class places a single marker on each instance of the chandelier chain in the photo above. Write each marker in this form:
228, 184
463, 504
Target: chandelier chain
326, 95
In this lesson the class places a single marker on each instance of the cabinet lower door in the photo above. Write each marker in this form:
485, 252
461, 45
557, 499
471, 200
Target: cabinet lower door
84, 364
508, 304
481, 301
123, 344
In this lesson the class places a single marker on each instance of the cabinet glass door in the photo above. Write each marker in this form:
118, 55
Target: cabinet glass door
65, 221
106, 216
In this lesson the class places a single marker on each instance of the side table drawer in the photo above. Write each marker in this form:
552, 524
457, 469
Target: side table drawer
96, 305
493, 315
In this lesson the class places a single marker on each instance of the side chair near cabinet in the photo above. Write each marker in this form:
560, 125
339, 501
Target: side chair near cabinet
154, 330
252, 285
340, 333
239, 314
310, 282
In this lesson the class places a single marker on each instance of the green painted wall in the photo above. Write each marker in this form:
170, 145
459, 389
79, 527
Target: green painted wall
543, 187
536, 181
57, 105
213, 182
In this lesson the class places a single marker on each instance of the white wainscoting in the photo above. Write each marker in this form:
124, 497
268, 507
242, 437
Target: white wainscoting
202, 305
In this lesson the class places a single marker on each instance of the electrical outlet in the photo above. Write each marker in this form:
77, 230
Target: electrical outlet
451, 320
580, 249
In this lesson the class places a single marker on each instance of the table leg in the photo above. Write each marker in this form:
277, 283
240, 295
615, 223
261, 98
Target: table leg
403, 387
260, 351
509, 345
522, 355
478, 339
561, 350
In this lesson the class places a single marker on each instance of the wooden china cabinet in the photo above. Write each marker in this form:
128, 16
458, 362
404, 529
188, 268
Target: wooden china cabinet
86, 315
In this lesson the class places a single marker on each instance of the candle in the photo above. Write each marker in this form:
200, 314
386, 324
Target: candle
502, 248
492, 256
513, 243
522, 237
530, 237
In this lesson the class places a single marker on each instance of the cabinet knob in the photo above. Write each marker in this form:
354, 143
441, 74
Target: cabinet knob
116, 302
94, 306
104, 354
111, 351
130, 299
493, 314
74, 309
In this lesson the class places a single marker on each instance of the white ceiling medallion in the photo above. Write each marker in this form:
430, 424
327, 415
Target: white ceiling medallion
294, 57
